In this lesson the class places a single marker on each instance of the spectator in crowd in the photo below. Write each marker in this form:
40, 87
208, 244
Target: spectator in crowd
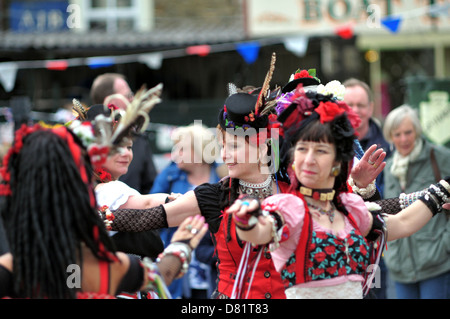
419, 264
193, 163
359, 97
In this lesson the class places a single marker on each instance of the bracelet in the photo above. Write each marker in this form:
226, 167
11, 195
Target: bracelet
367, 192
183, 252
431, 202
154, 279
435, 190
444, 184
109, 216
406, 200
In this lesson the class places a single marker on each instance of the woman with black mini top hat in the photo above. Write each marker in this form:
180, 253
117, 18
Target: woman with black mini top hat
246, 126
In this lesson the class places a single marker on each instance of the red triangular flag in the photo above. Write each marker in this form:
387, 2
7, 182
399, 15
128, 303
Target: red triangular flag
345, 32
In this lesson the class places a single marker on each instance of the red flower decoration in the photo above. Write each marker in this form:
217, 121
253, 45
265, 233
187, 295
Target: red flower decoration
103, 175
332, 270
318, 271
330, 250
320, 256
321, 235
328, 111
98, 154
363, 249
302, 74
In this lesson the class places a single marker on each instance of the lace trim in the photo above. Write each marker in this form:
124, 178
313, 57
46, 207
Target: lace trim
346, 290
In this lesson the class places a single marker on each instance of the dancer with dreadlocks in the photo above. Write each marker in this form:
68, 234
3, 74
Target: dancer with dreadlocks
53, 222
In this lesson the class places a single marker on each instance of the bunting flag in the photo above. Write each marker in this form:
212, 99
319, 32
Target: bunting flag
8, 72
345, 31
296, 45
200, 50
392, 23
249, 51
57, 65
152, 60
100, 62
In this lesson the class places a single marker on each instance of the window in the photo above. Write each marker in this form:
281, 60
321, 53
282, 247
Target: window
115, 16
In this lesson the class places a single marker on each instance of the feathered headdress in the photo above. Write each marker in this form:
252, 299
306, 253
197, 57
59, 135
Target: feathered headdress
108, 129
249, 107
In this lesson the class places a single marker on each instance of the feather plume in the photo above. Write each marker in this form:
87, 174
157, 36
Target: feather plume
136, 117
266, 85
78, 110
232, 89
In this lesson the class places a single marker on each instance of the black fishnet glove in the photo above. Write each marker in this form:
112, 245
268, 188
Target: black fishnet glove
138, 220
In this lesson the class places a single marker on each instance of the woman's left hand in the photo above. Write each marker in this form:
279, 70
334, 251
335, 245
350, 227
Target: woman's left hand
191, 230
369, 167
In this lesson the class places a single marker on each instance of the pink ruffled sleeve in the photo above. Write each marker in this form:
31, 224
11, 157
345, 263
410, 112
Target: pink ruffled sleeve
355, 205
293, 211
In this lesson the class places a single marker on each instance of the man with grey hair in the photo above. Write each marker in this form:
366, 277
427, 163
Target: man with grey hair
360, 98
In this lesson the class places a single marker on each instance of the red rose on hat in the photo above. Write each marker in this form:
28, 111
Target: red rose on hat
328, 111
302, 74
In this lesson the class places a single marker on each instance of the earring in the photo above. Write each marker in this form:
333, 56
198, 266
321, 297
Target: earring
293, 166
335, 171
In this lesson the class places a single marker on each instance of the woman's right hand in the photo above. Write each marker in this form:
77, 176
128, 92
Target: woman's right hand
191, 231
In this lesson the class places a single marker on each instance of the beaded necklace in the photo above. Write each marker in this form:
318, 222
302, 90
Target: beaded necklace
330, 212
260, 190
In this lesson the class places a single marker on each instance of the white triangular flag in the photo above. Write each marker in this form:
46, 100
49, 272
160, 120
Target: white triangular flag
8, 72
297, 45
152, 60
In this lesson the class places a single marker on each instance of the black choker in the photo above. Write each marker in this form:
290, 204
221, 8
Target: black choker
318, 194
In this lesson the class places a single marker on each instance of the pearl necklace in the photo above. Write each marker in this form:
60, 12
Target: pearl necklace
260, 190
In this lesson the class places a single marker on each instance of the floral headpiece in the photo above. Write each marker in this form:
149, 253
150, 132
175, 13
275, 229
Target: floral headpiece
324, 104
311, 73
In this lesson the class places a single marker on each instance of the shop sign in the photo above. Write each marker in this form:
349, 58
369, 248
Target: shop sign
322, 17
435, 117
38, 16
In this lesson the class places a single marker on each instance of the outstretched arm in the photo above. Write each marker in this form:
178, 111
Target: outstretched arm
161, 216
409, 220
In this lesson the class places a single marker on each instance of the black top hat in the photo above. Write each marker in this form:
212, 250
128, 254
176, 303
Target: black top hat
307, 79
239, 113
294, 83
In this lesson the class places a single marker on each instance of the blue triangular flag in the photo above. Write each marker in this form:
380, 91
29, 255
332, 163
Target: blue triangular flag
249, 51
392, 23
